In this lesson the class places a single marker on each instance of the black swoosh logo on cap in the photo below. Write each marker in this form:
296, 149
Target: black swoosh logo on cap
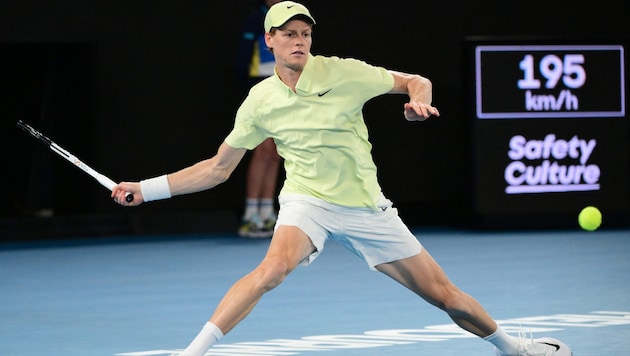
290, 6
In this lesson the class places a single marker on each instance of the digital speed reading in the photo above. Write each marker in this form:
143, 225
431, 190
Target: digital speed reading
569, 69
549, 81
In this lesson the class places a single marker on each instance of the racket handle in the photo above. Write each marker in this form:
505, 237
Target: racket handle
129, 197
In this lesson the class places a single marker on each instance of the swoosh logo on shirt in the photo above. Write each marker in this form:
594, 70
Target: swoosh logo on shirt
324, 92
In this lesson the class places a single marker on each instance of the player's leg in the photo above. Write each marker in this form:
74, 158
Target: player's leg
287, 249
422, 275
381, 236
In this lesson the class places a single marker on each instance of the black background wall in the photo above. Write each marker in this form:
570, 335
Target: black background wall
142, 88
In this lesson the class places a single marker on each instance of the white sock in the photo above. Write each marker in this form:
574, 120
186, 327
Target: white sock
208, 336
504, 342
267, 209
251, 208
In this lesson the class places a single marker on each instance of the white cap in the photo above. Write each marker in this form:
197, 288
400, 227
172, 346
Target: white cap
284, 11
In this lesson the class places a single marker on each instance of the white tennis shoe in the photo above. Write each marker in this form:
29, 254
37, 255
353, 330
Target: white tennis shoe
544, 346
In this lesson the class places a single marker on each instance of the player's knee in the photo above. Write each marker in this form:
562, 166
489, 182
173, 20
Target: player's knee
455, 302
271, 272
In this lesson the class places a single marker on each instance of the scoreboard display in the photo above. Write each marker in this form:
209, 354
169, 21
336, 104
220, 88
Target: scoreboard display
549, 81
550, 132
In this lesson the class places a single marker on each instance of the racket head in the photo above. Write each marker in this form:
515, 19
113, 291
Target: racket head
33, 132
41, 137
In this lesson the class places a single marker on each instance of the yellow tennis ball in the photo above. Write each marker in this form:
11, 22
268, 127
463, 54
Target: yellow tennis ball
590, 218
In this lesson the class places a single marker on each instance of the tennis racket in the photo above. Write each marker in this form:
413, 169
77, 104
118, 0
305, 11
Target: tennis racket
104, 180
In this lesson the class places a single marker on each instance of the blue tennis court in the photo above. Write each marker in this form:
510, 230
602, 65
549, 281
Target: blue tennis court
150, 296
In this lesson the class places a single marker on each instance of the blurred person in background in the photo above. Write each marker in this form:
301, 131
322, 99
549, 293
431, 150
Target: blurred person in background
254, 63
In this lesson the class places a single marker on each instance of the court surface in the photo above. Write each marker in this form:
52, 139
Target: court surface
151, 295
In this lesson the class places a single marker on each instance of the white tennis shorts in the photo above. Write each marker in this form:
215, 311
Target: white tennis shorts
377, 236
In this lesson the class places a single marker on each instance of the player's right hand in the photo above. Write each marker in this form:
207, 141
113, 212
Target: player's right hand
120, 192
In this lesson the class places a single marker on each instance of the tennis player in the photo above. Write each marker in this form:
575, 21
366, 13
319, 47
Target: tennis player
312, 108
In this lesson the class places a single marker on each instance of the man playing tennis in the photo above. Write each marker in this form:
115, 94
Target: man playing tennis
312, 108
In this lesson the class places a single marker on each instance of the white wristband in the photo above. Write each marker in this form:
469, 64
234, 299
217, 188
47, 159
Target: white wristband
155, 188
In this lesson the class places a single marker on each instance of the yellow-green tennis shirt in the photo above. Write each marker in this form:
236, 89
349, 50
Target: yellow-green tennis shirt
319, 129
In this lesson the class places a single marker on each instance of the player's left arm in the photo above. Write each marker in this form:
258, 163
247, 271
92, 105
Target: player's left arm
420, 91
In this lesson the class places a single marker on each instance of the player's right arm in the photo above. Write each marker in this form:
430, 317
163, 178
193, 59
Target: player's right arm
207, 173
200, 176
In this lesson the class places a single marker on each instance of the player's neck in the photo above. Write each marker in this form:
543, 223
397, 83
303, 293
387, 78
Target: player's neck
289, 76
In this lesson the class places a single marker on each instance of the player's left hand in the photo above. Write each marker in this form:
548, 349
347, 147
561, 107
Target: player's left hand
417, 111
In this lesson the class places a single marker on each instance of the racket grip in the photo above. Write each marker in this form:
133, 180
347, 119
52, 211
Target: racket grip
129, 197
